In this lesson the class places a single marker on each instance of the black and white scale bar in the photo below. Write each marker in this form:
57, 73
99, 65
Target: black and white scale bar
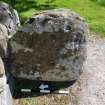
20, 85
45, 91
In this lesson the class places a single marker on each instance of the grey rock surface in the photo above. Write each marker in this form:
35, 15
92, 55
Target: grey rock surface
2, 79
5, 93
2, 72
9, 17
51, 46
3, 40
2, 69
9, 22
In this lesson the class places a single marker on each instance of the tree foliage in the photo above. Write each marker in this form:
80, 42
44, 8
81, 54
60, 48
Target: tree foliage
26, 7
101, 2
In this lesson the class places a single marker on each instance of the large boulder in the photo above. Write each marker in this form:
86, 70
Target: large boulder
51, 46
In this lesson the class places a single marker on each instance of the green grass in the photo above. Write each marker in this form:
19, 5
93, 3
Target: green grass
93, 13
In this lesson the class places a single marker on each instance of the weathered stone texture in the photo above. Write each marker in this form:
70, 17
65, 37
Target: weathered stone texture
9, 17
3, 40
2, 69
9, 21
51, 46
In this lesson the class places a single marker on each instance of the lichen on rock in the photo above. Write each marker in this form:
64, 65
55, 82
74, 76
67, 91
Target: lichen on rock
50, 46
